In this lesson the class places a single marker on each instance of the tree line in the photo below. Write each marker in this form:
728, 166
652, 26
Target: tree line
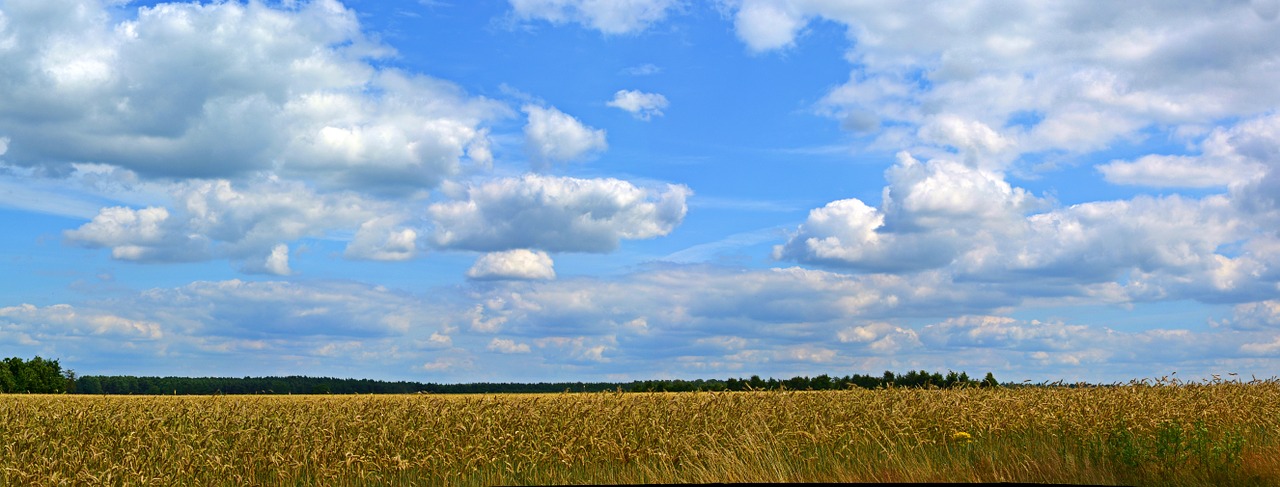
36, 376
97, 384
42, 376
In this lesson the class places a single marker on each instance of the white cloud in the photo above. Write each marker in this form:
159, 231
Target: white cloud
640, 104
39, 323
289, 90
709, 321
1261, 315
553, 136
647, 69
789, 319
513, 264
382, 239
978, 142
1174, 171
607, 16
971, 224
766, 24
579, 350
881, 337
504, 345
1071, 77
278, 262
213, 219
932, 213
1236, 155
262, 309
556, 214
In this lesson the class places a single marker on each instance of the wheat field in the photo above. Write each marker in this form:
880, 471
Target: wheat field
1152, 434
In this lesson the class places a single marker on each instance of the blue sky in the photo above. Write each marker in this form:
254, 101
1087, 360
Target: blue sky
612, 190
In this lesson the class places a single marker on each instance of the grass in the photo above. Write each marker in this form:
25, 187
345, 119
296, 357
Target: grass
1185, 434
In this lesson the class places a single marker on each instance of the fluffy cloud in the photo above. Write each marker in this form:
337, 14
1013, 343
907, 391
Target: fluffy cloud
288, 89
513, 264
932, 213
556, 214
384, 239
607, 16
973, 225
277, 262
1229, 155
1071, 77
552, 136
881, 337
640, 104
766, 25
214, 219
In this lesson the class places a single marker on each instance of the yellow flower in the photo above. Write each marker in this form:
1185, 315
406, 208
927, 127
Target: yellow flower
961, 437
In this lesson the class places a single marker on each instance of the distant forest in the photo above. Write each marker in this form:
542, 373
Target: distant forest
46, 376
96, 384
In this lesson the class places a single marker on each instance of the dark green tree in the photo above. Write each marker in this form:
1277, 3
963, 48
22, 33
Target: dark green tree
38, 376
7, 382
990, 381
821, 383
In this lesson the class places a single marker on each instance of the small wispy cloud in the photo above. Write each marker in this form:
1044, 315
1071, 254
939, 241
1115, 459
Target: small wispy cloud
647, 69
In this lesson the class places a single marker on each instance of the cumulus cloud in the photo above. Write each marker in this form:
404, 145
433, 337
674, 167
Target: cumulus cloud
552, 136
765, 24
881, 337
513, 264
641, 105
556, 214
1072, 78
972, 225
1229, 155
277, 262
979, 143
931, 214
214, 219
285, 89
383, 238
607, 16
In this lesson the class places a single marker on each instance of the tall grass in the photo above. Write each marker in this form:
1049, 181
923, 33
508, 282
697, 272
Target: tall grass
1187, 434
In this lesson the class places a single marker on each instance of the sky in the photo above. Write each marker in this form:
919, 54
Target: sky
564, 190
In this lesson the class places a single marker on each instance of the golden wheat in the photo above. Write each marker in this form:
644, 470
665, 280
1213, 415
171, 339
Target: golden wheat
1154, 434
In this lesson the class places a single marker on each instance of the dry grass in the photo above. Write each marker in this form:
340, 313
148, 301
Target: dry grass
1184, 435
